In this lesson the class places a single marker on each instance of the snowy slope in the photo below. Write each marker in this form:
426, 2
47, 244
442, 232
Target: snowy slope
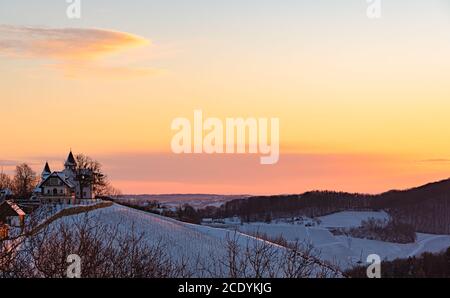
289, 232
182, 241
189, 241
349, 219
346, 251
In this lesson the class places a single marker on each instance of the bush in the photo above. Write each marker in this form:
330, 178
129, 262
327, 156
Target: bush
388, 231
426, 266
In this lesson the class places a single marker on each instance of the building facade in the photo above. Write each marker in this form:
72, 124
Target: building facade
70, 183
11, 214
5, 194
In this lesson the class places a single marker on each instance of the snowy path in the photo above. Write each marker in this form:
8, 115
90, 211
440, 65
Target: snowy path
422, 244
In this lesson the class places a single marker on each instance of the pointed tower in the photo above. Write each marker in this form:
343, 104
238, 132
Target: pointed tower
70, 162
70, 166
46, 172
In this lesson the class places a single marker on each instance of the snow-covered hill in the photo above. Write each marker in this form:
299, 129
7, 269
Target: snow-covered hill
347, 219
182, 241
346, 251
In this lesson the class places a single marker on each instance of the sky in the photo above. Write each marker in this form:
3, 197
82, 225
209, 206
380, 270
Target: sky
363, 103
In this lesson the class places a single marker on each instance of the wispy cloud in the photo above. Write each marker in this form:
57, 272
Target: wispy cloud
437, 160
71, 49
8, 163
8, 166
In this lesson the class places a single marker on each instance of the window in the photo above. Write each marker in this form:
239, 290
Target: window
61, 191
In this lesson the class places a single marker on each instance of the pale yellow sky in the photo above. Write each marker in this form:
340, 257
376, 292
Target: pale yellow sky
342, 85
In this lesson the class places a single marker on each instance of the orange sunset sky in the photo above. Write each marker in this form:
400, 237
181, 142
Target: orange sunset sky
363, 104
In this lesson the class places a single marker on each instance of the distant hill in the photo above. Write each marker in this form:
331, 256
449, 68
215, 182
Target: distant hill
429, 192
427, 207
174, 200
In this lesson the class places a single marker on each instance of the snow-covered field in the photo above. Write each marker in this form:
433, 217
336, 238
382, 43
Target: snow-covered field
182, 241
348, 219
347, 251
189, 241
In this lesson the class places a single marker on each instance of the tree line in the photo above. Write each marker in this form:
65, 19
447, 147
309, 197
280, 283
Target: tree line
22, 183
383, 230
426, 208
425, 266
311, 204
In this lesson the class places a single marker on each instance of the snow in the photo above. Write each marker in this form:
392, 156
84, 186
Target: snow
182, 241
349, 219
189, 241
344, 251
289, 232
430, 243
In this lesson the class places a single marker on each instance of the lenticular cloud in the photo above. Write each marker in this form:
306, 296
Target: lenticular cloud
65, 43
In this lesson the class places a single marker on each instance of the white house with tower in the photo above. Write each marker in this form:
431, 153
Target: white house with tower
70, 183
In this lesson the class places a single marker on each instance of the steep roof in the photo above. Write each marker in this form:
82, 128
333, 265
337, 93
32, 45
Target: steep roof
9, 208
70, 159
16, 208
61, 175
47, 169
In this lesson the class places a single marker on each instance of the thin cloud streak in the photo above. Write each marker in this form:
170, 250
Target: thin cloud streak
72, 50
436, 160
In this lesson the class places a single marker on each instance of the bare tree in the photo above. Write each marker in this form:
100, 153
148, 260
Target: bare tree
89, 171
25, 181
258, 258
110, 191
5, 181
